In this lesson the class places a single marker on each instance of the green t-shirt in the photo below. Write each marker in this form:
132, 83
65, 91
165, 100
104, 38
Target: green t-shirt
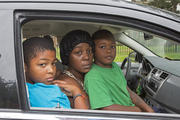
106, 86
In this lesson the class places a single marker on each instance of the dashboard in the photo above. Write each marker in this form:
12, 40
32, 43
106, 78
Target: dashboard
161, 83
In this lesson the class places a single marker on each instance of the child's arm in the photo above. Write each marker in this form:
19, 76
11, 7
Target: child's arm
116, 107
139, 102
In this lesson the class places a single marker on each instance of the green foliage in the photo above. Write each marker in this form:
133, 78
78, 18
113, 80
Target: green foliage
58, 53
121, 53
170, 5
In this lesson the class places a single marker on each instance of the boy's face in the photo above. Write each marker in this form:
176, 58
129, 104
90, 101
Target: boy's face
105, 52
41, 68
80, 59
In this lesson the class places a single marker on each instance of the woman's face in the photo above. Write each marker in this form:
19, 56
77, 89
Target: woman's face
81, 57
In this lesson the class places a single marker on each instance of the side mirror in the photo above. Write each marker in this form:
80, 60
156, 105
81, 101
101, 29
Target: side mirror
147, 36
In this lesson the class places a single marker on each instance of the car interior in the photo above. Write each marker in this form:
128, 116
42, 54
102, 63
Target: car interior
153, 75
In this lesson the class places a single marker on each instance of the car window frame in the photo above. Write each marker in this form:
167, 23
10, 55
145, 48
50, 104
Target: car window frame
23, 16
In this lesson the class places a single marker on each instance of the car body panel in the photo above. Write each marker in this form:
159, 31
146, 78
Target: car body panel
138, 12
8, 76
42, 114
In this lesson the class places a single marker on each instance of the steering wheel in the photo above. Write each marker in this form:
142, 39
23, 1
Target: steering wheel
131, 77
128, 68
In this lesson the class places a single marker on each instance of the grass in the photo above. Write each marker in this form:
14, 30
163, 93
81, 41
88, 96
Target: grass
173, 55
121, 53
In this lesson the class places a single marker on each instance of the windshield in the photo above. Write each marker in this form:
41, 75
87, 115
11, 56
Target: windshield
162, 47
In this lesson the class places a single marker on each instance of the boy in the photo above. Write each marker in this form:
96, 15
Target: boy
40, 69
105, 83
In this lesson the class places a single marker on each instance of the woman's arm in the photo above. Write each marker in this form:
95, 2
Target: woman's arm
139, 102
116, 107
80, 98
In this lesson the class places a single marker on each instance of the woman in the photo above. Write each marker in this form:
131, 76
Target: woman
76, 53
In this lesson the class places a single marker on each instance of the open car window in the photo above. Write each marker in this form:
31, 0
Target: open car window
131, 41
160, 46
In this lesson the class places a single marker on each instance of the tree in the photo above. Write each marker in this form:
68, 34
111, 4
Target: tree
170, 5
144, 0
174, 4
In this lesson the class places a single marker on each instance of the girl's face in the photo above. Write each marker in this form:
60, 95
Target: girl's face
80, 59
41, 68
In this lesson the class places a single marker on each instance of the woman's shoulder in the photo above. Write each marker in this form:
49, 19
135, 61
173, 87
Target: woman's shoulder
64, 76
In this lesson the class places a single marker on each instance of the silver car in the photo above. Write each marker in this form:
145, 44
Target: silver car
149, 36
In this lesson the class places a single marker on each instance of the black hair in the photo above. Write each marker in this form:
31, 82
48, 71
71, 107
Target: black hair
102, 34
36, 44
70, 40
